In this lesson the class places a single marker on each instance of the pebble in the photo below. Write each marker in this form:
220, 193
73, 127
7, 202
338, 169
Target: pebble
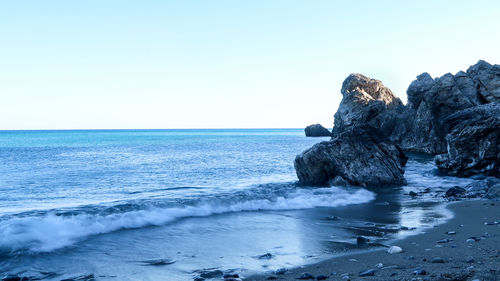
369, 272
419, 271
321, 277
437, 260
446, 240
470, 240
394, 250
306, 276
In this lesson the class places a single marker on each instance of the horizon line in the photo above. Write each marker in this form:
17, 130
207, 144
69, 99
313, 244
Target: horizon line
150, 129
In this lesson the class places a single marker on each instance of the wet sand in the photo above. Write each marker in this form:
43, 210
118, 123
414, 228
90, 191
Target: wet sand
467, 247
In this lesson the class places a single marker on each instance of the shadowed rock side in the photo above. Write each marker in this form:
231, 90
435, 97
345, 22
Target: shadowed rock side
358, 156
316, 130
473, 142
367, 102
422, 127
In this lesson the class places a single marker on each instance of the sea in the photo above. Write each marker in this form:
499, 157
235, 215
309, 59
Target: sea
180, 204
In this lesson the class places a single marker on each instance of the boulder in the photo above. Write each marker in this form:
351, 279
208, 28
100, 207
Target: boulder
361, 156
473, 142
316, 130
430, 101
367, 102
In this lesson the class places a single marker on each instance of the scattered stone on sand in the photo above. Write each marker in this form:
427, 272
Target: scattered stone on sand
419, 271
321, 277
437, 260
369, 272
316, 130
306, 276
394, 250
446, 240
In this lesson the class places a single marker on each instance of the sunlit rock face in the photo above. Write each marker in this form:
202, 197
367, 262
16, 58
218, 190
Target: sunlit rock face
360, 156
473, 142
367, 102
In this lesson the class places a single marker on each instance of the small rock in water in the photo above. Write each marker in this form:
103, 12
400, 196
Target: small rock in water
321, 277
265, 256
437, 260
280, 271
379, 265
419, 271
231, 275
394, 250
369, 272
232, 279
362, 240
272, 277
491, 223
199, 278
413, 194
306, 276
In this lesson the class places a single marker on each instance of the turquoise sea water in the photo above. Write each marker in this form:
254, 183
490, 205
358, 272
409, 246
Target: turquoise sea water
104, 202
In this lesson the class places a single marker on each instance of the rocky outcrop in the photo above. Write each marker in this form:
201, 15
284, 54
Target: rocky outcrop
430, 101
473, 142
316, 130
360, 156
367, 102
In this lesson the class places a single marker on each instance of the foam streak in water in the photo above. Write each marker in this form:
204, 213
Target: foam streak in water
51, 232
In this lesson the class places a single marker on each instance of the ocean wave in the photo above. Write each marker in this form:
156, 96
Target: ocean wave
54, 231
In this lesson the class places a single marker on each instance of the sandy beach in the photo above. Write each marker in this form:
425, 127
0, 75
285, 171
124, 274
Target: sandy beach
467, 247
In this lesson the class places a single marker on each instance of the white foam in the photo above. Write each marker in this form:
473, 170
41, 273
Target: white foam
51, 232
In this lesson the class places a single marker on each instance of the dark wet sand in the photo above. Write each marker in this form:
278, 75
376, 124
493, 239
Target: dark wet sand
478, 260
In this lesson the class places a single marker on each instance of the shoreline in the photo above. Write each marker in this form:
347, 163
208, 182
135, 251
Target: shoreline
470, 251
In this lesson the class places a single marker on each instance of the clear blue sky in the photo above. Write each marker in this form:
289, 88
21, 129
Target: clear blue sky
222, 64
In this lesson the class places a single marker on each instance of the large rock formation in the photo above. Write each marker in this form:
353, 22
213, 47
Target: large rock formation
316, 130
430, 101
473, 142
360, 156
367, 102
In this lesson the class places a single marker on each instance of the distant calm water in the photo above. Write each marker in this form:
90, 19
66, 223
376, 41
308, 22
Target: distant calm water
103, 202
